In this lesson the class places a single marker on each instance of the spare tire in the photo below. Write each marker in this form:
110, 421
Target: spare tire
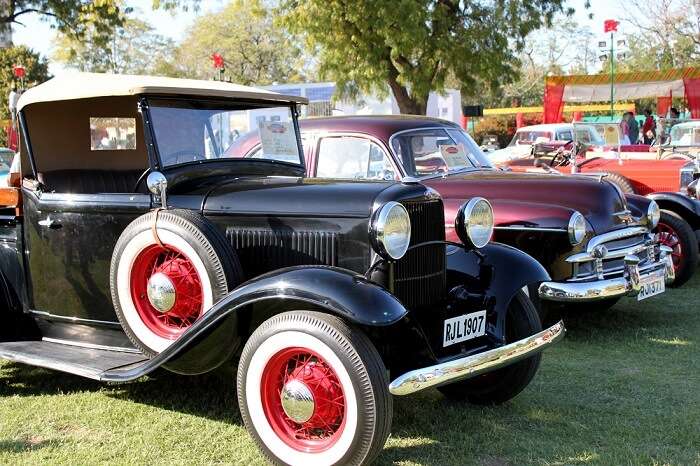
162, 280
621, 182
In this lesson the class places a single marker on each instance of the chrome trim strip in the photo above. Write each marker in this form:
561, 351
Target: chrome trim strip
615, 235
556, 230
616, 254
476, 364
76, 320
80, 344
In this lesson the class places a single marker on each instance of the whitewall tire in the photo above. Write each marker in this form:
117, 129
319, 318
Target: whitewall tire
313, 391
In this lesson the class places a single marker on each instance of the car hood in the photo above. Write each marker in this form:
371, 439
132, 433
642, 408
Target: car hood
292, 196
534, 200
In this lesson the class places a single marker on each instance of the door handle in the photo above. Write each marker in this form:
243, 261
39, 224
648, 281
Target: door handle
48, 222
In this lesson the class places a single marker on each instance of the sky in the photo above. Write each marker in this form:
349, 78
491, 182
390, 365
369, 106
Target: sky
39, 36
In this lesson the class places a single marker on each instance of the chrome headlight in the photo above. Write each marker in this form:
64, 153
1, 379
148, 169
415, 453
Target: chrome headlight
577, 228
391, 231
474, 222
653, 214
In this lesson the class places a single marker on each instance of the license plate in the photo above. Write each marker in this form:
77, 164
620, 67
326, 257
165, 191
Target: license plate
463, 328
651, 286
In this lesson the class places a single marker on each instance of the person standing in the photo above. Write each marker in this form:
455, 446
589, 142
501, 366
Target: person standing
648, 128
633, 128
624, 130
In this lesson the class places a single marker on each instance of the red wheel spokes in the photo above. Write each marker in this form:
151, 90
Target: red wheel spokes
325, 425
668, 236
181, 272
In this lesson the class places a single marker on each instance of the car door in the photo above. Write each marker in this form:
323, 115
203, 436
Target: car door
352, 157
80, 199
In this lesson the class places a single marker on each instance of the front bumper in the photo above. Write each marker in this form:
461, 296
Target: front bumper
627, 285
476, 364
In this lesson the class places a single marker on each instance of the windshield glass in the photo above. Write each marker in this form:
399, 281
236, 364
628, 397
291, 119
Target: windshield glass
684, 133
433, 151
530, 137
190, 132
588, 135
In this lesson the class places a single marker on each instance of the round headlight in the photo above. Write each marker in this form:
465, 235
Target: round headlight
391, 230
653, 214
474, 222
577, 228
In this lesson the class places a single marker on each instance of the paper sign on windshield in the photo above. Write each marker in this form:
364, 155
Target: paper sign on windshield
278, 138
454, 155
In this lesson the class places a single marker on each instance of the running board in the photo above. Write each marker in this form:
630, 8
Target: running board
91, 362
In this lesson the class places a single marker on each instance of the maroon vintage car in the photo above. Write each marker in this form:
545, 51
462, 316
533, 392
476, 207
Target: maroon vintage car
595, 242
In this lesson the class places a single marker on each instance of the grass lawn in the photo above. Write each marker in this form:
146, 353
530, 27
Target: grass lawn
622, 388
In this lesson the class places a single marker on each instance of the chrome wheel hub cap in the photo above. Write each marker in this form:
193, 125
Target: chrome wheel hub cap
161, 292
297, 401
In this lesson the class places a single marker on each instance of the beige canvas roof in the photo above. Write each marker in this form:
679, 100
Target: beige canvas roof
70, 86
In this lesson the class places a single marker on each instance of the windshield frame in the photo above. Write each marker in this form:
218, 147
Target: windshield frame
198, 102
445, 128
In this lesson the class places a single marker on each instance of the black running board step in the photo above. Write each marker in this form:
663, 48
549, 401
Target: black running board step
92, 363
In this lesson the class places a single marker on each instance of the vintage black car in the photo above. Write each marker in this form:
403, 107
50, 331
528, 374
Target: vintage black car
132, 245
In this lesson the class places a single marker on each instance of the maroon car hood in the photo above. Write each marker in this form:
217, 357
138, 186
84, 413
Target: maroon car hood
533, 200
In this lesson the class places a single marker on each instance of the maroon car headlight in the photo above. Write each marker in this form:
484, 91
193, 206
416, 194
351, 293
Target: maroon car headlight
474, 222
653, 214
577, 228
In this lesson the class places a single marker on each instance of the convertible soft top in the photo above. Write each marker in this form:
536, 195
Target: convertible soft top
71, 86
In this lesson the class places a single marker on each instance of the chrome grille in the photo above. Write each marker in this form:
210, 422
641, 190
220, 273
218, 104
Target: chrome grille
420, 276
634, 240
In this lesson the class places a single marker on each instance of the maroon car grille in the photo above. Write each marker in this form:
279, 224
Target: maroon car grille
420, 276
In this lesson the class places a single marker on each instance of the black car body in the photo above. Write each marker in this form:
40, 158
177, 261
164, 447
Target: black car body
134, 246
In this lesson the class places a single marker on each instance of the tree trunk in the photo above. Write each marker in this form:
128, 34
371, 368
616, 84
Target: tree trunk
408, 104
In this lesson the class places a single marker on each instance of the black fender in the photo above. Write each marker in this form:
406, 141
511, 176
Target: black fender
681, 204
213, 338
496, 270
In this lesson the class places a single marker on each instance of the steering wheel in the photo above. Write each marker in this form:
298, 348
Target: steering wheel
561, 156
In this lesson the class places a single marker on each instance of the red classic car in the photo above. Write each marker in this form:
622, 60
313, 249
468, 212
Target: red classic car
593, 241
666, 181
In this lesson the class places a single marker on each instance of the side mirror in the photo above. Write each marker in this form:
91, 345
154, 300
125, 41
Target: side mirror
158, 185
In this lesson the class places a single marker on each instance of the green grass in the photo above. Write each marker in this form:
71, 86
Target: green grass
622, 388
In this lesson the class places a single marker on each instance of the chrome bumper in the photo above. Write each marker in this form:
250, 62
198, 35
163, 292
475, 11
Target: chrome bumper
476, 364
627, 285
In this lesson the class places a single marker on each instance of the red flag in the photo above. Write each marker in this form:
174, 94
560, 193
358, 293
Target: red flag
218, 60
610, 25
19, 71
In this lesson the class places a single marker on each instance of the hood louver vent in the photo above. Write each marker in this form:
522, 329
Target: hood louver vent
263, 250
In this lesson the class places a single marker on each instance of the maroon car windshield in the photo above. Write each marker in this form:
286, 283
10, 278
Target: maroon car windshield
433, 151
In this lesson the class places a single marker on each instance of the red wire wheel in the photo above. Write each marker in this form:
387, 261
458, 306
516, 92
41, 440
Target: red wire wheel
668, 236
171, 267
320, 421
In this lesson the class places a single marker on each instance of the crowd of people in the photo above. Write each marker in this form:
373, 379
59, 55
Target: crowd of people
632, 133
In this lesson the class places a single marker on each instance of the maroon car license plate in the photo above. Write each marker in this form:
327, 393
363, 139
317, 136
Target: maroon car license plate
463, 328
651, 286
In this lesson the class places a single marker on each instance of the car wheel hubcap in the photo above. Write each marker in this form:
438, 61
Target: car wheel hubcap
161, 292
303, 400
166, 290
297, 401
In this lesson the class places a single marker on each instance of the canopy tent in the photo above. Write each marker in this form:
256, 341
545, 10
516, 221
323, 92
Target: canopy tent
596, 88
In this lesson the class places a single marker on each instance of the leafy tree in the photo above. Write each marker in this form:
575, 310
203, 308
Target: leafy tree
668, 34
254, 49
74, 17
413, 46
132, 48
36, 67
